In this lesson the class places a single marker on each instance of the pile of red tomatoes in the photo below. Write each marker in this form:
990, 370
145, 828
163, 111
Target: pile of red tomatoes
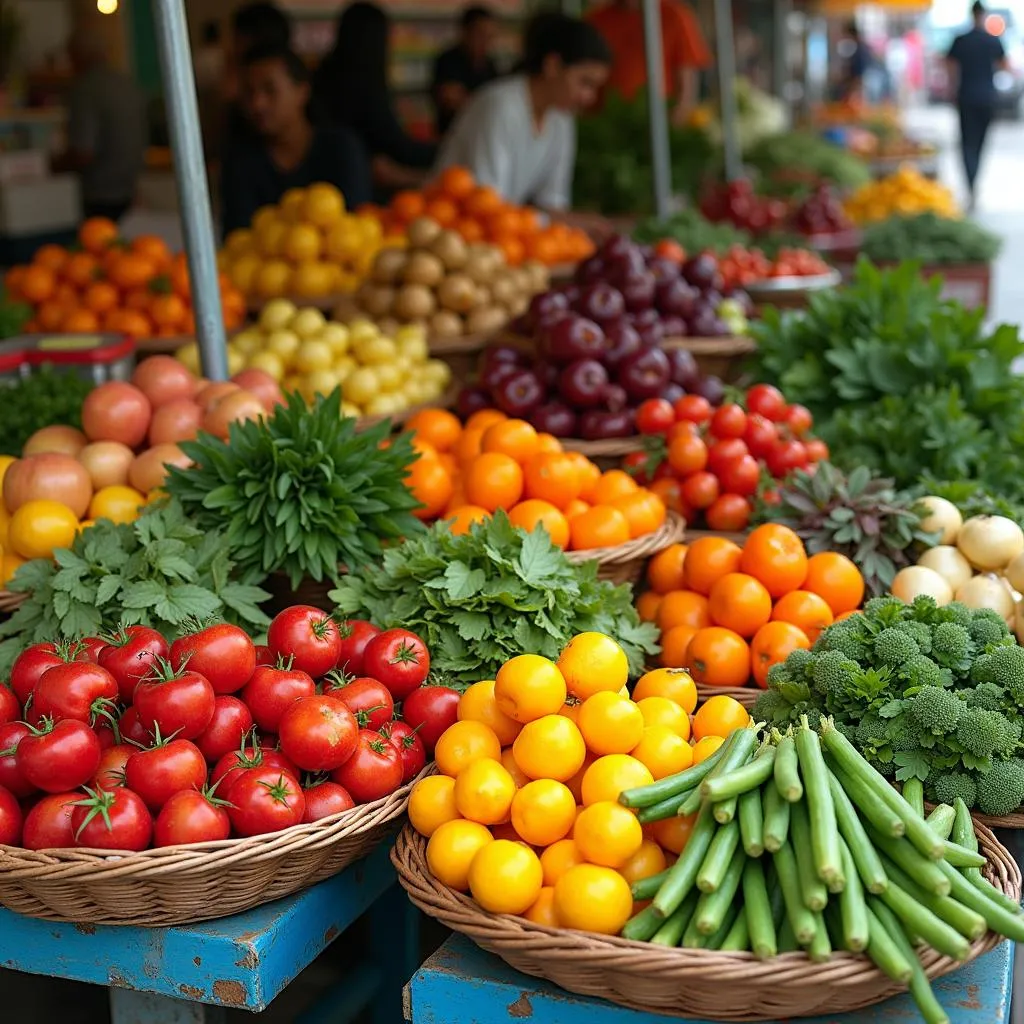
126, 742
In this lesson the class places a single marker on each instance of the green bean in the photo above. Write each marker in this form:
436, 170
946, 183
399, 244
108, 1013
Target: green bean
787, 940
960, 857
852, 907
986, 889
939, 935
738, 939
967, 922
642, 927
927, 872
913, 793
1000, 918
963, 833
683, 873
751, 823
757, 905
885, 820
941, 820
800, 918
883, 950
667, 808
812, 888
787, 772
673, 785
671, 931
719, 856
775, 810
713, 906
732, 913
828, 863
864, 855
736, 750
750, 776
820, 949
647, 888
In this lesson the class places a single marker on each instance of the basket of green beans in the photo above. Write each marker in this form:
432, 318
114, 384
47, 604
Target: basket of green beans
808, 885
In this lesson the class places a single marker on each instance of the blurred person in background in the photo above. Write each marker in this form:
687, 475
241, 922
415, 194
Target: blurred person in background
465, 67
351, 86
685, 51
518, 134
288, 146
210, 63
106, 131
255, 24
973, 60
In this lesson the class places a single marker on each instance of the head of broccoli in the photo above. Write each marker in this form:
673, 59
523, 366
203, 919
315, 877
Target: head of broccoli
894, 647
981, 732
1007, 668
951, 646
987, 629
984, 695
936, 710
1001, 789
947, 786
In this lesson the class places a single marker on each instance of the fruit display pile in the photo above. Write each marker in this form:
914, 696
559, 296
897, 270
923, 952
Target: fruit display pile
740, 266
729, 613
125, 742
447, 285
477, 213
139, 289
903, 194
737, 203
305, 247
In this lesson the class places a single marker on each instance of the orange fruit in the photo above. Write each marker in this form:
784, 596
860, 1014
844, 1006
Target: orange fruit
663, 751
598, 527
718, 716
470, 229
740, 603
533, 512
558, 858
482, 202
437, 427
775, 555
674, 645
483, 418
683, 608
647, 605
708, 560
542, 910
100, 297
674, 683
704, 748
97, 234
463, 517
612, 484
718, 657
478, 704
431, 486
588, 471
644, 511
456, 182
608, 776
51, 314
52, 256
467, 447
442, 210
493, 480
665, 569
551, 476
129, 270
80, 321
528, 687
672, 833
154, 248
772, 643
38, 283
647, 861
836, 579
804, 609
515, 438
408, 205
665, 712
81, 269
548, 443
575, 507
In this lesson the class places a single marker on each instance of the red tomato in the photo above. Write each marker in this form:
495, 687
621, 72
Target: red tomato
253, 757
430, 710
179, 703
110, 773
164, 769
10, 819
318, 733
324, 799
59, 755
785, 457
721, 453
799, 419
309, 636
229, 726
132, 729
90, 649
694, 408
373, 771
771, 497
191, 816
10, 706
264, 656
740, 476
355, 635
729, 420
399, 659
687, 454
130, 655
655, 416
817, 451
409, 746
112, 820
670, 249
766, 401
760, 435
11, 775
700, 490
223, 653
48, 823
266, 801
730, 513
368, 699
30, 665
270, 692
79, 690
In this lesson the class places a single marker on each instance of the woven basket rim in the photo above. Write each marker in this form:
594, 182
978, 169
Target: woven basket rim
609, 447
737, 345
746, 695
670, 532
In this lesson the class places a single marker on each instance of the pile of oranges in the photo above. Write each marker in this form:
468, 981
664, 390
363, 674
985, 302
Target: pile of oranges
136, 288
479, 214
465, 474
728, 613
524, 814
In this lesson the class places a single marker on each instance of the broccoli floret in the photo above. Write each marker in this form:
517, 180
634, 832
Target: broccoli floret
894, 647
936, 710
922, 671
844, 637
958, 613
920, 633
987, 630
798, 664
951, 644
983, 669
1008, 671
981, 732
923, 608
1012, 738
876, 606
871, 731
814, 716
832, 673
946, 788
1001, 789
772, 707
884, 768
984, 695
904, 735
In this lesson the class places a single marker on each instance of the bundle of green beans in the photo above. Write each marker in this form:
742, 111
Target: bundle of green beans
798, 843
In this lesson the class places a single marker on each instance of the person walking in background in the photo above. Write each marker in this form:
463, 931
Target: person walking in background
973, 60
106, 131
210, 65
351, 85
465, 67
518, 134
685, 51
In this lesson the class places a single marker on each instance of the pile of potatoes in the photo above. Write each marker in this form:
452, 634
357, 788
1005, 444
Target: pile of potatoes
449, 286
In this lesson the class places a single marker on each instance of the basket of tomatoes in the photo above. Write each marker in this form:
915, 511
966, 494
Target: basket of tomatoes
139, 777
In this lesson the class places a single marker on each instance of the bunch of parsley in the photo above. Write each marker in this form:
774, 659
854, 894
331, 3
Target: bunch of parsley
160, 571
488, 595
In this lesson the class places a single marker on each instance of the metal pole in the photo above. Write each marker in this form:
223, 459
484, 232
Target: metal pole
726, 56
780, 31
658, 112
193, 190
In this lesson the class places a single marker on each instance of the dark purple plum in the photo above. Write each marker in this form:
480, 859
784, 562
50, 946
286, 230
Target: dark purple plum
615, 397
519, 394
638, 291
663, 269
673, 326
712, 389
598, 424
644, 374
555, 418
471, 400
547, 372
495, 354
601, 302
573, 337
622, 340
545, 304
673, 392
491, 376
676, 298
617, 246
683, 368
702, 270
590, 270
583, 383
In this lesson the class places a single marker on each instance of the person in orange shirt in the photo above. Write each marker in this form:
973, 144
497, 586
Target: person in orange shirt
685, 52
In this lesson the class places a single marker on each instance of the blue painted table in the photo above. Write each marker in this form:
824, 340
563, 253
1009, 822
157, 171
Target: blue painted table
187, 974
487, 991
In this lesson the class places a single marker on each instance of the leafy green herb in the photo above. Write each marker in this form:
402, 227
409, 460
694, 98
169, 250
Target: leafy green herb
930, 239
160, 571
794, 162
13, 316
693, 231
45, 398
488, 595
300, 492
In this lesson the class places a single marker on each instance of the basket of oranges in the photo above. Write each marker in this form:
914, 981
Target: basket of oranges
468, 472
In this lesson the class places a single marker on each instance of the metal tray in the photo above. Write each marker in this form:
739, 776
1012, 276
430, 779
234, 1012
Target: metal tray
781, 285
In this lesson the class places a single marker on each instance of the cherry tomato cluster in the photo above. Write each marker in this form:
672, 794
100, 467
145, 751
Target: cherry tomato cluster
740, 266
714, 464
126, 742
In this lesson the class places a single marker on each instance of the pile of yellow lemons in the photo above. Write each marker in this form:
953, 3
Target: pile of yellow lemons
903, 194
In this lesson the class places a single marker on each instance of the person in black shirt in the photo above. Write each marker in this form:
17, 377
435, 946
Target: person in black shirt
461, 70
287, 149
974, 58
351, 85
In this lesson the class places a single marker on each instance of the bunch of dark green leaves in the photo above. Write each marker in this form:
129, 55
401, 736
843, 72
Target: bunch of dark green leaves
795, 162
45, 398
488, 595
901, 381
160, 571
693, 231
300, 492
930, 239
13, 316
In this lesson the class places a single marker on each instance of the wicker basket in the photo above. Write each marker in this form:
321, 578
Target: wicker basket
718, 357
182, 884
612, 448
11, 600
1008, 821
678, 982
746, 695
625, 563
